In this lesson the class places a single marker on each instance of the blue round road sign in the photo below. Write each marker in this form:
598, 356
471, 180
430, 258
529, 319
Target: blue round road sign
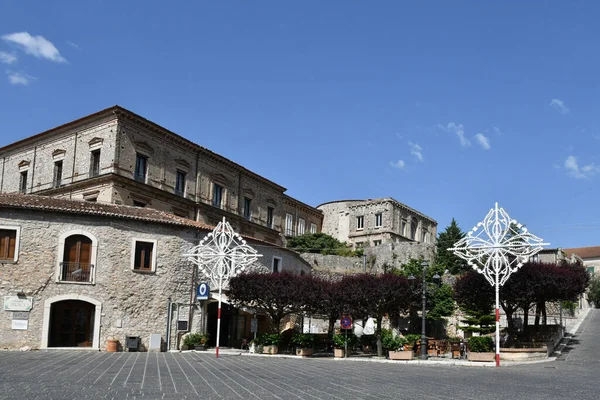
346, 322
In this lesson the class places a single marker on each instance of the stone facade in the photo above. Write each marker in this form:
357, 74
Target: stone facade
125, 301
365, 223
375, 260
116, 156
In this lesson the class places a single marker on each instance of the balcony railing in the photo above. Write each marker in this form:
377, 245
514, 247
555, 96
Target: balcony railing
76, 272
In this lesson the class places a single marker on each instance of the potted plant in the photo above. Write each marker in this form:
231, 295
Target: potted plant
395, 346
304, 343
196, 341
270, 342
339, 343
481, 348
411, 341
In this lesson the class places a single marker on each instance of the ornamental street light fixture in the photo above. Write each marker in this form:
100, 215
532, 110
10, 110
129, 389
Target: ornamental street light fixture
496, 248
436, 279
221, 255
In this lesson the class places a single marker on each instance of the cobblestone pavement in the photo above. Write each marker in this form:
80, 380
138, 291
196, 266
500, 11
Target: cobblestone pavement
85, 375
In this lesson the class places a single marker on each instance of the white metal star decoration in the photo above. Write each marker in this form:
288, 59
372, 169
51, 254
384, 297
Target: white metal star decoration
498, 246
221, 255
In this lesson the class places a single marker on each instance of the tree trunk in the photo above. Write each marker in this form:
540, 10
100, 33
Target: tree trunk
331, 325
379, 344
509, 311
544, 315
526, 318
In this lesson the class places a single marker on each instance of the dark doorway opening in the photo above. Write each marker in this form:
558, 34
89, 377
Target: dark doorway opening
71, 324
226, 316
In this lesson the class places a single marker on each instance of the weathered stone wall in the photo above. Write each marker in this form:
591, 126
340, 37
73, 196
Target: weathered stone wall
298, 212
398, 222
76, 159
375, 259
336, 218
133, 303
119, 136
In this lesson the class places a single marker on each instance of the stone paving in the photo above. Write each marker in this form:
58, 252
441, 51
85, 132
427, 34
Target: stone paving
100, 375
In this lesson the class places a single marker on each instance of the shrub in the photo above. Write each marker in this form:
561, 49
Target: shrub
412, 338
303, 340
480, 344
195, 339
391, 342
269, 339
339, 340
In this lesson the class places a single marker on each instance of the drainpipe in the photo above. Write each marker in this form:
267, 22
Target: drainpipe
169, 324
2, 179
73, 170
33, 168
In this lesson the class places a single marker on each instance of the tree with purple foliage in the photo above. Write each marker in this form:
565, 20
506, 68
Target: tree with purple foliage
375, 296
533, 284
276, 295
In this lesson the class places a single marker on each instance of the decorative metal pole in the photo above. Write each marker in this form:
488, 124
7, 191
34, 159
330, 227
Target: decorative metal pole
424, 264
497, 247
221, 255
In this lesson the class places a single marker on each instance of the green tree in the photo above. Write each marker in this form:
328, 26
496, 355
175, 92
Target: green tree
447, 258
319, 243
440, 297
593, 293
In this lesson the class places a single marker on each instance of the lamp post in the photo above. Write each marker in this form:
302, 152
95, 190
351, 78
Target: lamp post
436, 278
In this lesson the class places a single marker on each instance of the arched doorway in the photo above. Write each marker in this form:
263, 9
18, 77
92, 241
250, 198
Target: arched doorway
71, 324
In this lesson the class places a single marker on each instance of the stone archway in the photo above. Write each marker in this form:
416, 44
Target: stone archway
87, 309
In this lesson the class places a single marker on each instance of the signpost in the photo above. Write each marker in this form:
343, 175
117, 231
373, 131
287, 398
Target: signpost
346, 323
202, 291
496, 248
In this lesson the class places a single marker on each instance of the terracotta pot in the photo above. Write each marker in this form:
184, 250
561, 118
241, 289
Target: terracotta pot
111, 345
338, 353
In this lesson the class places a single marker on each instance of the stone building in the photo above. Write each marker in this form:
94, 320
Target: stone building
75, 273
590, 257
366, 223
116, 156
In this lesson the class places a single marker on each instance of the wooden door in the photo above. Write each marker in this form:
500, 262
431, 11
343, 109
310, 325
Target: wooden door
71, 324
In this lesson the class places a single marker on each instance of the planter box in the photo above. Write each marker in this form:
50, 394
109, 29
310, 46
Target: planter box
401, 355
338, 353
270, 350
483, 357
304, 352
198, 347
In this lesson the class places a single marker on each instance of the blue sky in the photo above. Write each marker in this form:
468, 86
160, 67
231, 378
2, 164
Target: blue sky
446, 106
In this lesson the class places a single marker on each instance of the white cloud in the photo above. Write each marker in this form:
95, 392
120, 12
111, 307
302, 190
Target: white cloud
560, 105
497, 130
483, 141
19, 78
37, 46
7, 58
458, 130
73, 45
416, 150
573, 168
398, 164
